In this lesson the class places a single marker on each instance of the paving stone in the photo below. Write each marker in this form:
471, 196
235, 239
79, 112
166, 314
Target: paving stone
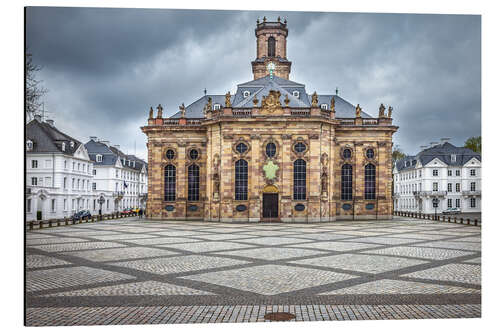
451, 272
272, 253
76, 246
457, 245
336, 246
37, 261
201, 247
100, 255
420, 252
53, 240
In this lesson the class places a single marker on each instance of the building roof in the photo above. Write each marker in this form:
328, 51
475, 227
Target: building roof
442, 152
261, 87
47, 138
110, 154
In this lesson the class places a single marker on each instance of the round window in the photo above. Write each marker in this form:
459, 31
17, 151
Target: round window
270, 150
241, 148
370, 153
347, 153
170, 154
193, 154
299, 147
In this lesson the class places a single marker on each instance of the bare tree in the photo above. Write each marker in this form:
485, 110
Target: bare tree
33, 88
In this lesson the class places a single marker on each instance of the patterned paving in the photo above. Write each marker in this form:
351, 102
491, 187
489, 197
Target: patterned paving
132, 271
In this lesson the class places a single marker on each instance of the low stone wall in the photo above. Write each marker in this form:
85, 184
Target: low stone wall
438, 217
42, 224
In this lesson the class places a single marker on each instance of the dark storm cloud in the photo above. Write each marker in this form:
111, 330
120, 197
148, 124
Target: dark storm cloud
105, 67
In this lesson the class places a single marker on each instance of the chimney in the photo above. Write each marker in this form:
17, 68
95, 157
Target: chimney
38, 118
445, 140
50, 122
434, 143
423, 147
93, 138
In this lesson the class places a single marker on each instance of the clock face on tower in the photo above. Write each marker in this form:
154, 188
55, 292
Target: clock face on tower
270, 68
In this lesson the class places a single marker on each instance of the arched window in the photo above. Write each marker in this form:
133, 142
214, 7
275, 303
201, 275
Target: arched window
270, 150
241, 180
271, 46
370, 181
299, 180
193, 183
170, 183
346, 182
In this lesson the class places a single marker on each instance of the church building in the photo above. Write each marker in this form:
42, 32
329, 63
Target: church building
271, 152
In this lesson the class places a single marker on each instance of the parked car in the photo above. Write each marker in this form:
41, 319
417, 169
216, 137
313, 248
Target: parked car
81, 214
452, 211
135, 210
127, 211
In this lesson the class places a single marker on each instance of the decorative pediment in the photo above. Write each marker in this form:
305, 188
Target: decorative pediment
271, 103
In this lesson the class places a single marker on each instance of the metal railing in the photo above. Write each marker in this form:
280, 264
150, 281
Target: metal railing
438, 217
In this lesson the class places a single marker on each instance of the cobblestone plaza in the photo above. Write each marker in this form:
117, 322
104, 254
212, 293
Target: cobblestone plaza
133, 271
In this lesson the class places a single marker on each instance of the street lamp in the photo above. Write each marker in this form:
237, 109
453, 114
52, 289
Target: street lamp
101, 201
435, 203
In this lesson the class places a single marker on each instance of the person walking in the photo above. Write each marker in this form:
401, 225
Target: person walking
140, 213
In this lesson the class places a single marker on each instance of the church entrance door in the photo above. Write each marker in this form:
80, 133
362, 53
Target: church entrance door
270, 206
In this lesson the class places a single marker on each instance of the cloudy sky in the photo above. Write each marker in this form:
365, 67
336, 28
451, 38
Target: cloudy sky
105, 67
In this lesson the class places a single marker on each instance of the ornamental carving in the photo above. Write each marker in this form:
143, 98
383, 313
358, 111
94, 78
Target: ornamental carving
270, 169
216, 176
228, 99
271, 103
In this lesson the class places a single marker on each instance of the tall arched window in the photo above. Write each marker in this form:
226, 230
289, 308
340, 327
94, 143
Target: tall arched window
299, 180
193, 182
271, 46
241, 180
346, 182
370, 181
170, 183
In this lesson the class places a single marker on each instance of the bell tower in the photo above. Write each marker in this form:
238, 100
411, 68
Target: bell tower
271, 47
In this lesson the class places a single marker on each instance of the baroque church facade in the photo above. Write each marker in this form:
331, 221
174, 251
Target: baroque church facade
270, 152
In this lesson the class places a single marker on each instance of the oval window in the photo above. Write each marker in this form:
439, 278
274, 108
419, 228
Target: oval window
169, 208
241, 148
370, 206
299, 147
270, 149
346, 207
241, 208
170, 154
299, 207
193, 208
370, 153
193, 154
347, 153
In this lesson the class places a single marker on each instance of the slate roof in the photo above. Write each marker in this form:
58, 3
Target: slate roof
48, 139
442, 152
261, 87
110, 154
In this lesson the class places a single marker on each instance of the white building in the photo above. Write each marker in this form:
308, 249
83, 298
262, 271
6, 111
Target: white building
58, 172
445, 173
119, 179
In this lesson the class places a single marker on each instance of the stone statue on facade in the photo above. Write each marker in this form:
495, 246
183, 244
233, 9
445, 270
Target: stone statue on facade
216, 176
381, 111
287, 100
160, 111
151, 113
332, 104
255, 101
271, 102
314, 100
228, 100
389, 115
324, 182
358, 111
182, 108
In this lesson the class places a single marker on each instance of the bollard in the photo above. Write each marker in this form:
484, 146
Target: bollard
461, 220
86, 219
58, 222
65, 221
475, 222
31, 225
468, 221
80, 219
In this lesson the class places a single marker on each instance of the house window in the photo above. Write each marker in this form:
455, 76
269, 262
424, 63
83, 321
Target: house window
457, 203
370, 153
453, 158
241, 180
370, 182
457, 173
241, 147
107, 203
271, 47
434, 187
420, 173
94, 204
472, 186
472, 202
29, 145
94, 186
73, 183
457, 187
450, 187
270, 150
450, 203
246, 93
193, 154
346, 182
299, 179
450, 173
296, 94
169, 183
324, 106
53, 205
216, 106
472, 172
63, 146
299, 147
28, 205
78, 167
94, 172
98, 158
34, 181
193, 183
64, 182
73, 165
347, 153
435, 172
34, 164
65, 164
71, 144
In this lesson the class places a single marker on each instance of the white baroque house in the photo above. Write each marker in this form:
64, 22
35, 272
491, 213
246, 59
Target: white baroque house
443, 173
120, 179
64, 176
58, 172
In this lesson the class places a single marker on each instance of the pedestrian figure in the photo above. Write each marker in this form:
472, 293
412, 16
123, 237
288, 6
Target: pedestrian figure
140, 213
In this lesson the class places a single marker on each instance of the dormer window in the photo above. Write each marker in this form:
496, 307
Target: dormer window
98, 158
216, 106
63, 146
71, 144
453, 158
29, 145
324, 106
246, 93
296, 94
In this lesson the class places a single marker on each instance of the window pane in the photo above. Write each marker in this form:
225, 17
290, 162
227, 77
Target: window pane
299, 147
346, 182
241, 180
370, 182
299, 180
270, 149
170, 183
193, 183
